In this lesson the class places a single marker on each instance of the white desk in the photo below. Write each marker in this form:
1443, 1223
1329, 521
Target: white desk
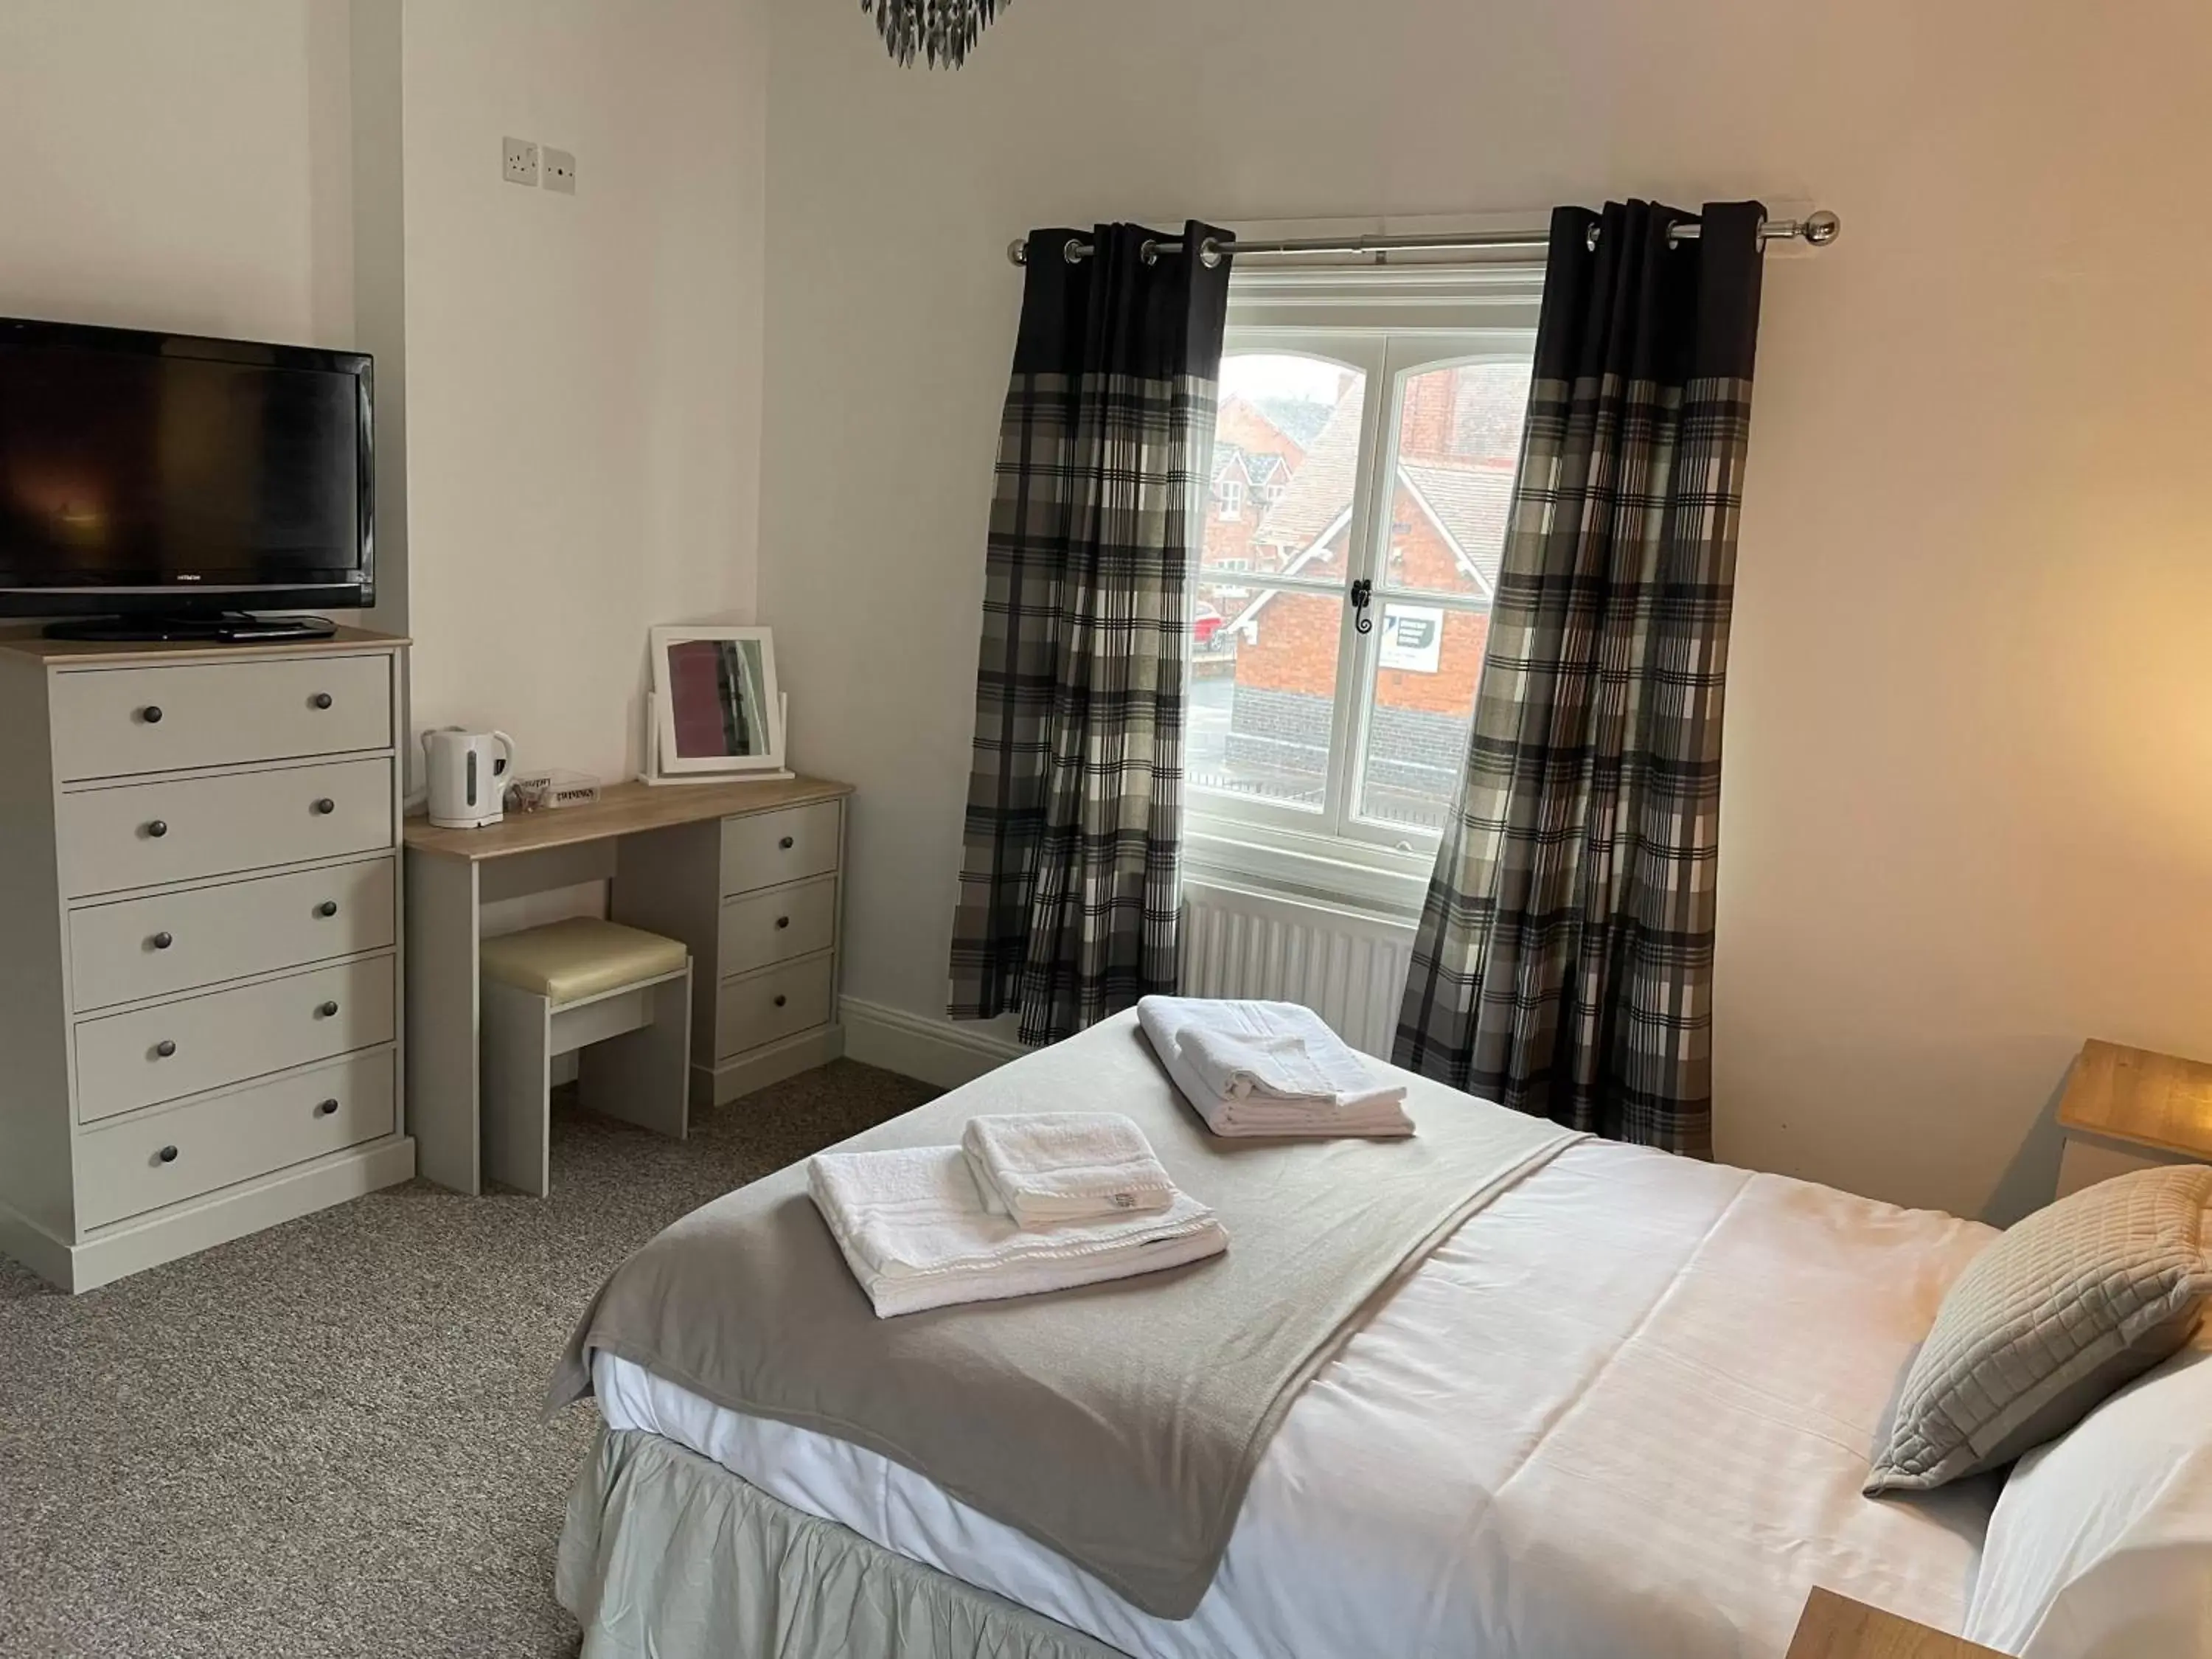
750, 876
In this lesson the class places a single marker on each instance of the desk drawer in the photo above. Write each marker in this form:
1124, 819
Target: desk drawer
122, 1171
228, 1036
776, 1002
769, 848
155, 947
777, 924
115, 721
145, 833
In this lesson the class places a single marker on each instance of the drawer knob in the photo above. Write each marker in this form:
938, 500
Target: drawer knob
327, 907
321, 700
780, 1000
151, 714
784, 843
325, 806
327, 1010
783, 922
164, 1048
161, 941
157, 829
326, 1107
167, 1155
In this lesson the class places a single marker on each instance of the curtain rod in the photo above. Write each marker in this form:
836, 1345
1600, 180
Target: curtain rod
1818, 229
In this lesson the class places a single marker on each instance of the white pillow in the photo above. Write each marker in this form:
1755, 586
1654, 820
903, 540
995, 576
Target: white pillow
2101, 1543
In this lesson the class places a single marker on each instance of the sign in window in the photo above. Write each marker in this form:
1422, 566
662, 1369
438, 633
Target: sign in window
1413, 637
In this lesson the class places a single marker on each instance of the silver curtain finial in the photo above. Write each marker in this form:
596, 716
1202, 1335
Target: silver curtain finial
942, 32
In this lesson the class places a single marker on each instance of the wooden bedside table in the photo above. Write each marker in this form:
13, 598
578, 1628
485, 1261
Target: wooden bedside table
1836, 1627
2129, 1109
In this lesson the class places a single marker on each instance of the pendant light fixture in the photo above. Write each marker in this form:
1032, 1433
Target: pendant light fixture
941, 31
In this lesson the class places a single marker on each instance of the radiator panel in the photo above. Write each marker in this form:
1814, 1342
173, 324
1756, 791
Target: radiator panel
1348, 969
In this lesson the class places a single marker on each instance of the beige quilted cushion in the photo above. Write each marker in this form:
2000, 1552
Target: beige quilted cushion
2048, 1321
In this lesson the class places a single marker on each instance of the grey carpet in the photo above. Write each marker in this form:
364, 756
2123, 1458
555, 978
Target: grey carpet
324, 1439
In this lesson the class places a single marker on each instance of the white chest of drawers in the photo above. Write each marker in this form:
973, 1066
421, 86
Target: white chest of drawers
200, 1022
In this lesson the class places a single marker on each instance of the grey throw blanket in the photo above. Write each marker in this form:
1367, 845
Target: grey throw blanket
1119, 1423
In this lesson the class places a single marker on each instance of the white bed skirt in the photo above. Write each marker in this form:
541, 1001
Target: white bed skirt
665, 1554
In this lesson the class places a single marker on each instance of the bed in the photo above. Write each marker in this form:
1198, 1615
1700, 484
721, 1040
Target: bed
1624, 1406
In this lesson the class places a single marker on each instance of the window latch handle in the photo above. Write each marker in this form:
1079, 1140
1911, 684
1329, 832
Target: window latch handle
1363, 590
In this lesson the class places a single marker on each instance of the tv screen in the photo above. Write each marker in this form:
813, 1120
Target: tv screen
143, 471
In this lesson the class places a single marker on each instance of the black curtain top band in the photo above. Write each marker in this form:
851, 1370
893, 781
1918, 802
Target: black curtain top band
1652, 309
1110, 312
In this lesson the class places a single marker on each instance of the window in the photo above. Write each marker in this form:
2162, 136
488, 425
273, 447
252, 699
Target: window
1318, 725
1231, 494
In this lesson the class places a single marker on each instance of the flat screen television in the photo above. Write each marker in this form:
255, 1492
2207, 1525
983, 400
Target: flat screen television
167, 484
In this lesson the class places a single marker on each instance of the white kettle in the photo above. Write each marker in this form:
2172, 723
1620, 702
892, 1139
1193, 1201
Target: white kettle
468, 780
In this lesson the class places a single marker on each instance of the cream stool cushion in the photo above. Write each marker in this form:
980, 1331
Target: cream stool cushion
567, 961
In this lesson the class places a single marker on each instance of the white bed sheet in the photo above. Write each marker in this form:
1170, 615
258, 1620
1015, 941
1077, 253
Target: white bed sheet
1625, 1410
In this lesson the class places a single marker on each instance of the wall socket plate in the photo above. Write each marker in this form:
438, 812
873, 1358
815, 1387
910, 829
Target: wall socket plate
560, 171
519, 157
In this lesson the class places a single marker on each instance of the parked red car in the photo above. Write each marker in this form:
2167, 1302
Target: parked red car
1206, 624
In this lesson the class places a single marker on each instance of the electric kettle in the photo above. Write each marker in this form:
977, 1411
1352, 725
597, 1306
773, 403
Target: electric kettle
467, 778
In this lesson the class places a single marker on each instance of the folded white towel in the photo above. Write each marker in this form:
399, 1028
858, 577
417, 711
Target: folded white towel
918, 1232
1050, 1167
1269, 1068
1274, 1050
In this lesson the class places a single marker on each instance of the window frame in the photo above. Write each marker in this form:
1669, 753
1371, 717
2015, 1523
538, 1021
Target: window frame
1405, 357
1388, 324
1361, 353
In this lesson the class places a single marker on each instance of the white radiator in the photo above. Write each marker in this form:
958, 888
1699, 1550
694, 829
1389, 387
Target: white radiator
1349, 969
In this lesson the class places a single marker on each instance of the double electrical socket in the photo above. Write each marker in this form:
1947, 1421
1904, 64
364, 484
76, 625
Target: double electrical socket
520, 161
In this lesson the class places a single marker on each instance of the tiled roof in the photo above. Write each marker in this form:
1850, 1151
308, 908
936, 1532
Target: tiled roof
1320, 488
1469, 503
1301, 418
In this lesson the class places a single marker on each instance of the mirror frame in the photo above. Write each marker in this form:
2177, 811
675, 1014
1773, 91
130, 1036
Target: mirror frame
672, 764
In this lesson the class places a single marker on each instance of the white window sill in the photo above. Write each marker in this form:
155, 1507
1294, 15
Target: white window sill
1369, 881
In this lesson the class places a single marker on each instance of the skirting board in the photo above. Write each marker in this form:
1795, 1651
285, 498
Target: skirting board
165, 1235
947, 1053
772, 1062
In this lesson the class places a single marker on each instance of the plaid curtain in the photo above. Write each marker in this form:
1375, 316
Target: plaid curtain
1070, 883
1564, 960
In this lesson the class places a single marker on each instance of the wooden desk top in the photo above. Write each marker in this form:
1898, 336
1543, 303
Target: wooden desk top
622, 809
2135, 1095
1836, 1627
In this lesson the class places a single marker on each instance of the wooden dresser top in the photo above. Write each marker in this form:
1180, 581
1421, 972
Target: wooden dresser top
1836, 1627
116, 653
2140, 1096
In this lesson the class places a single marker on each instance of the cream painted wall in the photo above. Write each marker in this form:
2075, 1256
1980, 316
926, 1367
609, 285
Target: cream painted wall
583, 372
192, 169
1968, 812
181, 167
581, 440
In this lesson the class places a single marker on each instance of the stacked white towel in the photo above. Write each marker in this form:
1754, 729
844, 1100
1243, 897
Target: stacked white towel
1050, 1167
1269, 1068
919, 1231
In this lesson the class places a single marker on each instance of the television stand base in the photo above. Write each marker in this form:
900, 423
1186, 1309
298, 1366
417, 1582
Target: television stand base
227, 628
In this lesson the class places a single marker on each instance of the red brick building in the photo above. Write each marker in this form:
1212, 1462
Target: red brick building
1254, 461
